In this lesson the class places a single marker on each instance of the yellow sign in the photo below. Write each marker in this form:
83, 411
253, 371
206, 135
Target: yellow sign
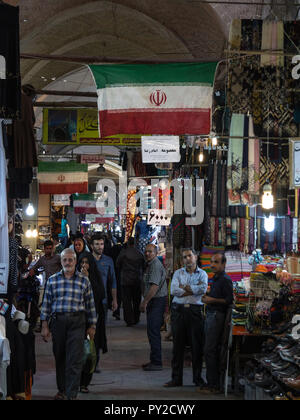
122, 140
80, 126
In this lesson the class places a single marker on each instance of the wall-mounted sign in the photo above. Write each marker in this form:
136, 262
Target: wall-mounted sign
61, 200
100, 159
121, 140
161, 149
295, 164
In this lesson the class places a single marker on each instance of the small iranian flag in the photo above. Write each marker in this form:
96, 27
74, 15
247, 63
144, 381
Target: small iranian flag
62, 178
84, 204
170, 99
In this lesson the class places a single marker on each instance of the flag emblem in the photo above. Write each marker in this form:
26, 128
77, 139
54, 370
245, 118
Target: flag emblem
158, 98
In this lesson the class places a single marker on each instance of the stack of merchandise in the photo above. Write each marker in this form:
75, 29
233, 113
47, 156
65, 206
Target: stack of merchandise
293, 264
206, 255
237, 266
241, 293
296, 286
275, 373
269, 264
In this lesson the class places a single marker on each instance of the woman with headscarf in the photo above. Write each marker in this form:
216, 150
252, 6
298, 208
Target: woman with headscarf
87, 266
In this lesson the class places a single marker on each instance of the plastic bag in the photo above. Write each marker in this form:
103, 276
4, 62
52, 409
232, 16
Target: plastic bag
90, 356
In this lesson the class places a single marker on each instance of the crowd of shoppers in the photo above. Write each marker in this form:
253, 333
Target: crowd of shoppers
82, 285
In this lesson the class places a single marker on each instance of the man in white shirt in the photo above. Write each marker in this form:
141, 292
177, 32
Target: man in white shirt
188, 286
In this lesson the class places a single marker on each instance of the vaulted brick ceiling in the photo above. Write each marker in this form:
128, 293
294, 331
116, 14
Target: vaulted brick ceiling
144, 29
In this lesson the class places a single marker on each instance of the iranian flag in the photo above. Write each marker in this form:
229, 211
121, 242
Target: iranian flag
166, 99
62, 178
84, 204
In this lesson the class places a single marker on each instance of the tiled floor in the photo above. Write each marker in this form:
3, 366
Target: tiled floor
121, 375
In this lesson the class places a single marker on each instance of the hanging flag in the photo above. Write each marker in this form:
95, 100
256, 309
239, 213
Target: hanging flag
170, 99
62, 178
84, 204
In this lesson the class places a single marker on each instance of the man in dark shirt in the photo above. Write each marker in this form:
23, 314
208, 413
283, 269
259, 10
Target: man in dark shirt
218, 301
130, 264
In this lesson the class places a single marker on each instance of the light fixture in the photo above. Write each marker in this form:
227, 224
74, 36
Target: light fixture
268, 198
101, 169
214, 141
201, 157
30, 210
34, 232
270, 224
28, 233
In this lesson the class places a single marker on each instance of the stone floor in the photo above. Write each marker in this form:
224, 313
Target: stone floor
121, 375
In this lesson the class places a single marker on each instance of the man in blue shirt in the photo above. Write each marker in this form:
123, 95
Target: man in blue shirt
106, 268
188, 286
68, 307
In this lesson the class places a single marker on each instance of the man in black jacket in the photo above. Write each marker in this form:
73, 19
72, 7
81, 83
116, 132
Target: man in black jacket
130, 265
217, 300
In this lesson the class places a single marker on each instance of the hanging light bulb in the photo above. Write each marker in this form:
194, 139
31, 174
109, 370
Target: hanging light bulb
201, 156
28, 233
268, 198
34, 232
214, 141
270, 224
30, 210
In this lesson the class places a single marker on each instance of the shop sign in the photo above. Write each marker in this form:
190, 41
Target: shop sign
80, 126
296, 69
100, 159
159, 218
161, 149
61, 200
295, 164
117, 141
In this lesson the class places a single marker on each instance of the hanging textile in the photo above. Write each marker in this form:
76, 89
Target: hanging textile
235, 159
24, 144
10, 79
272, 39
130, 214
235, 35
4, 248
263, 85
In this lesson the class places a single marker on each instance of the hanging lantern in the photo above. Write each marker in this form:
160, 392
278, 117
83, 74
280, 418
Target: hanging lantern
268, 198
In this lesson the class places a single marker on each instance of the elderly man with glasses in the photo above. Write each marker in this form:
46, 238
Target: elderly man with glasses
69, 308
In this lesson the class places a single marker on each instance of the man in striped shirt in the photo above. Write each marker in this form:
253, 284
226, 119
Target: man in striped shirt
69, 312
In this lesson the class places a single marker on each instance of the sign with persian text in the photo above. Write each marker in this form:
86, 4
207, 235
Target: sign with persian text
161, 149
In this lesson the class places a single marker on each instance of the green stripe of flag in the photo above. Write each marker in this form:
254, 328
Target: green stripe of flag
84, 197
62, 167
154, 74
